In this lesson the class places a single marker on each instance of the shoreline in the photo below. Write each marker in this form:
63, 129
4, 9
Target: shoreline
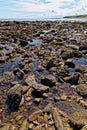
43, 75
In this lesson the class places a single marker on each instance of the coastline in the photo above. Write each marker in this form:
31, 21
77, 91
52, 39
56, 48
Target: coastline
43, 75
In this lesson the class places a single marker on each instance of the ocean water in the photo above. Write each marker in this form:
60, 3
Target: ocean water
45, 19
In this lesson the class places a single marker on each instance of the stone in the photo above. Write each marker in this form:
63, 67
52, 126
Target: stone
83, 47
15, 95
82, 90
23, 43
37, 100
75, 114
69, 63
30, 80
19, 73
34, 115
73, 79
48, 80
80, 68
40, 68
39, 89
50, 64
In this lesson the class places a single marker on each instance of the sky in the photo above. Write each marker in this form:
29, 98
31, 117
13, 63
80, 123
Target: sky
41, 8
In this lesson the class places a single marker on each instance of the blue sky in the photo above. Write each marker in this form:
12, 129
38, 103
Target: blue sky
41, 8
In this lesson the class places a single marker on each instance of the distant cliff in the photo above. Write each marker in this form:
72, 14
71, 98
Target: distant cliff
77, 16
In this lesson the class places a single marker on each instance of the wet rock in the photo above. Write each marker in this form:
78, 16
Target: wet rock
8, 127
83, 47
48, 80
67, 54
70, 63
82, 90
37, 100
23, 43
48, 39
30, 80
15, 95
3, 59
34, 115
40, 68
50, 64
76, 115
19, 73
73, 79
80, 68
39, 89
70, 54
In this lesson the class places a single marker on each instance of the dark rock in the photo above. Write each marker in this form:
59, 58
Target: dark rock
19, 73
48, 80
50, 64
76, 115
15, 95
23, 43
39, 89
70, 63
80, 68
83, 47
73, 79
82, 90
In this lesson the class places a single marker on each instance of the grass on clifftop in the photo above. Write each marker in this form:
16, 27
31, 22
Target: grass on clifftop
77, 16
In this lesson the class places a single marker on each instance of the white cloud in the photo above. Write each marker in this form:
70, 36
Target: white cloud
49, 8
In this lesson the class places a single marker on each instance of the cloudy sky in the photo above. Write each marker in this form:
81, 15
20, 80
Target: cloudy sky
41, 8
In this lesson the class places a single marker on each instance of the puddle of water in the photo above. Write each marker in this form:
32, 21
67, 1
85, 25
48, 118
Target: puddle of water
6, 48
81, 61
35, 42
10, 65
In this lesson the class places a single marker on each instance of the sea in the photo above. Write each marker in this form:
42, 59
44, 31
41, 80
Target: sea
45, 19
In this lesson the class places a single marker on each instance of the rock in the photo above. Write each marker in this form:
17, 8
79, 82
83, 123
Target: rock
19, 73
83, 103
3, 59
8, 127
84, 127
34, 115
79, 119
48, 38
73, 79
45, 95
48, 80
75, 114
24, 125
57, 120
82, 90
67, 54
50, 64
83, 47
69, 63
23, 43
15, 95
80, 68
37, 100
70, 54
30, 80
39, 89
40, 68
63, 97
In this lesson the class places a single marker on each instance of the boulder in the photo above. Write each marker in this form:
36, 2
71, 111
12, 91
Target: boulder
82, 90
48, 80
15, 95
19, 73
73, 79
23, 43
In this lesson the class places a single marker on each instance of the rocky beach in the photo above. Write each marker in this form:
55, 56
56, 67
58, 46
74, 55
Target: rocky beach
43, 75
